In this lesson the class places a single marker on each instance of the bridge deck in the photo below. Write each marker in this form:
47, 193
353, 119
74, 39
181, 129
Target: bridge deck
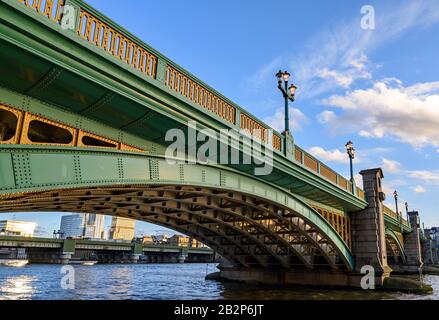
102, 72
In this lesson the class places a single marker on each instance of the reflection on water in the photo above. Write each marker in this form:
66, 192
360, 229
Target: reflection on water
155, 281
17, 288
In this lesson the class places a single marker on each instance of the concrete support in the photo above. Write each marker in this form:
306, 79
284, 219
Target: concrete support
65, 257
182, 258
134, 258
184, 252
289, 146
368, 229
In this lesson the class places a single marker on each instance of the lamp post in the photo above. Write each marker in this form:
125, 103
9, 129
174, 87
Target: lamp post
351, 152
288, 93
395, 195
407, 213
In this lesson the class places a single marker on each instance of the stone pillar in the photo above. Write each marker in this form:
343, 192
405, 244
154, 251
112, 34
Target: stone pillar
412, 245
289, 149
184, 252
182, 258
67, 251
65, 257
137, 251
134, 258
368, 230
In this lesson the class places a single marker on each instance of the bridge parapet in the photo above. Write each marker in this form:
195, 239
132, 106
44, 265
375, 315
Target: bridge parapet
318, 167
114, 40
106, 38
396, 219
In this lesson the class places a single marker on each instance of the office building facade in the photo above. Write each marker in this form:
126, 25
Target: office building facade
122, 229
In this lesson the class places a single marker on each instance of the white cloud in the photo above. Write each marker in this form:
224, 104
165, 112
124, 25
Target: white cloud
277, 121
354, 70
337, 57
419, 189
388, 109
359, 180
328, 116
343, 80
425, 176
391, 166
329, 155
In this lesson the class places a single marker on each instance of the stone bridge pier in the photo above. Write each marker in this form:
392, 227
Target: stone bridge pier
368, 230
412, 247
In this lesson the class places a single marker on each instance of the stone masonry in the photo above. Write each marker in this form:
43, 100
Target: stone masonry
368, 230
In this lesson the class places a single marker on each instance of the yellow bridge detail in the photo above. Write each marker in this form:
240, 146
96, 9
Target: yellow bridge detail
19, 127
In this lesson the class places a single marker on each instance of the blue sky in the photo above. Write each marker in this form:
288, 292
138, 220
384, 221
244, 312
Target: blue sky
379, 88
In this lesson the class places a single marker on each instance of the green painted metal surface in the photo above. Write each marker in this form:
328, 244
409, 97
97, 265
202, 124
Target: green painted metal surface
91, 161
396, 225
82, 79
80, 85
137, 248
69, 246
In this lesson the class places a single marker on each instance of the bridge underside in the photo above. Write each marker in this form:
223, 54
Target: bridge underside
246, 230
395, 250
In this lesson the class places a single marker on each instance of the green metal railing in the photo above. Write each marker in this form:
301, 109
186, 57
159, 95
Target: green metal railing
100, 31
396, 217
316, 166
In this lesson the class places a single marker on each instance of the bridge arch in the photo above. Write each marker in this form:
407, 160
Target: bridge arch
395, 249
249, 222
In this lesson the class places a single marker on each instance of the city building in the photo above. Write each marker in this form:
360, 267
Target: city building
434, 234
94, 226
160, 239
83, 225
122, 229
197, 244
147, 240
17, 228
71, 226
178, 241
184, 241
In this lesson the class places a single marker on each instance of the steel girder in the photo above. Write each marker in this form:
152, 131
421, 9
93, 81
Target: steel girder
261, 223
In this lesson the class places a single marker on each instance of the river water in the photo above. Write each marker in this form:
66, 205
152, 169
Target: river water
160, 282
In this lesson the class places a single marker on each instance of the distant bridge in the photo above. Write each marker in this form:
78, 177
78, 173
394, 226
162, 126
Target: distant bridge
67, 250
84, 111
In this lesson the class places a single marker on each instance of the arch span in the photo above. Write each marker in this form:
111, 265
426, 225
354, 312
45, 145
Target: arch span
395, 249
249, 222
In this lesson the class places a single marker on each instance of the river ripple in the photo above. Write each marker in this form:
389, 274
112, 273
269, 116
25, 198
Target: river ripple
161, 282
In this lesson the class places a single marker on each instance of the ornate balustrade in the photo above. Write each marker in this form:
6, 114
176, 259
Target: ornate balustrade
101, 32
392, 214
321, 169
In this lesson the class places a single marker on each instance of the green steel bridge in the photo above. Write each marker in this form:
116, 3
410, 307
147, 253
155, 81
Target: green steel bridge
84, 110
